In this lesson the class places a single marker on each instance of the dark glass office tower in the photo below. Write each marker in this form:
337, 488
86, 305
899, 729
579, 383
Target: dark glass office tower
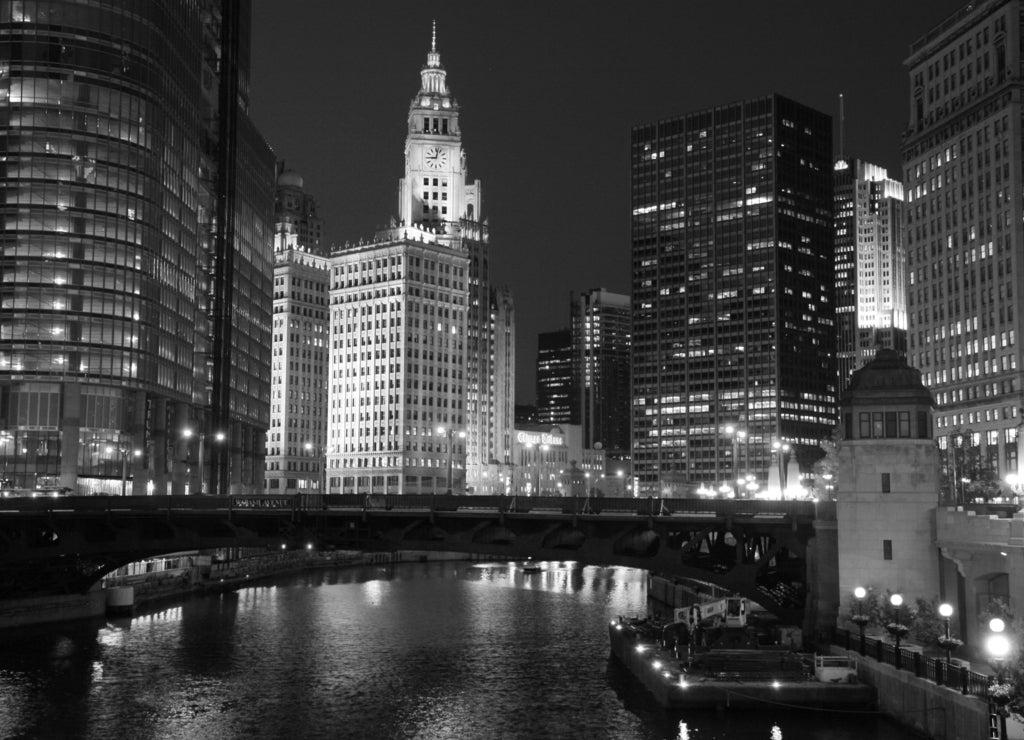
557, 402
135, 258
601, 325
733, 309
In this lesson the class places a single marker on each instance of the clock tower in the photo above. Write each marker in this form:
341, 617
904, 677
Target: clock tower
434, 191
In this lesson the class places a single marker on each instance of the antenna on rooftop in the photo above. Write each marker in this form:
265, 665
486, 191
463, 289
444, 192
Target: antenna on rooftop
842, 127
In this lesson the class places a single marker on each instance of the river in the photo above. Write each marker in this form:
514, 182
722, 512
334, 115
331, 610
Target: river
415, 651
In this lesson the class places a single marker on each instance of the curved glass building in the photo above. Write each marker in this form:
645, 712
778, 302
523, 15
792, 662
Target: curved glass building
135, 255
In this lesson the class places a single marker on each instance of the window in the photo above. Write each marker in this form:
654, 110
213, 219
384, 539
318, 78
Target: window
886, 483
865, 425
886, 549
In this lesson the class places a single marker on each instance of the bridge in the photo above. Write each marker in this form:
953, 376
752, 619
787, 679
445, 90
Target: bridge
768, 551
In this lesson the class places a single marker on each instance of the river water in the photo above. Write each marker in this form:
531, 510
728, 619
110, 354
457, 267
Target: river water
422, 650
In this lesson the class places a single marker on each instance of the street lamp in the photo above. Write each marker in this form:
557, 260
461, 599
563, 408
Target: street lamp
897, 632
782, 450
998, 646
1016, 483
5, 438
187, 434
946, 611
860, 618
450, 433
321, 463
737, 435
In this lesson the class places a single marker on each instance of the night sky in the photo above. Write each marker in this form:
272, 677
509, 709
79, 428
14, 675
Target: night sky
548, 93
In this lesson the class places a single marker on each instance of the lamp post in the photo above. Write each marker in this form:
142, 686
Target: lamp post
5, 439
321, 464
860, 618
449, 432
782, 450
1016, 483
998, 646
897, 601
187, 434
946, 611
737, 435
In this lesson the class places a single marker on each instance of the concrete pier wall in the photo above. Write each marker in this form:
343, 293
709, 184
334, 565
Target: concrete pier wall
46, 609
934, 711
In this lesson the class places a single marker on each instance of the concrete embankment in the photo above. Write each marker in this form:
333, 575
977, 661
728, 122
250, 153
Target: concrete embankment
933, 711
121, 594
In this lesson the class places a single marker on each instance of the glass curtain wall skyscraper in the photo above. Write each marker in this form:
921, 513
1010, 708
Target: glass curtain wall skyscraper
135, 258
733, 293
601, 324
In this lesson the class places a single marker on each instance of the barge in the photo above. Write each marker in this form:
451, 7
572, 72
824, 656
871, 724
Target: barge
693, 677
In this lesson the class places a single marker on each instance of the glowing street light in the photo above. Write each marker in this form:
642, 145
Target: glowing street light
946, 611
998, 647
782, 451
897, 601
860, 618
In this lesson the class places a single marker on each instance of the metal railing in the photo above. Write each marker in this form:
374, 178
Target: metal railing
953, 675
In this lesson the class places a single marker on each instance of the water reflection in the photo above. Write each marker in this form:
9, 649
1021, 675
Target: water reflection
424, 650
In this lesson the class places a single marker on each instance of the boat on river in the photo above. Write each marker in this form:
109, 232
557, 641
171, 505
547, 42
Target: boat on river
692, 666
531, 567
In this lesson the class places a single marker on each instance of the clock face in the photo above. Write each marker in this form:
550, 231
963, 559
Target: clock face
436, 158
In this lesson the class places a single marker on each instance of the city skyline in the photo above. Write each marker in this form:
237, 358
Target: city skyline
557, 187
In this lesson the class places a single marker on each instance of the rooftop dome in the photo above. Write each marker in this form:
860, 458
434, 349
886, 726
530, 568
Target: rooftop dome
290, 178
887, 379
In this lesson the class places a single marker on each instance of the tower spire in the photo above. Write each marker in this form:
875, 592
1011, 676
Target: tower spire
433, 36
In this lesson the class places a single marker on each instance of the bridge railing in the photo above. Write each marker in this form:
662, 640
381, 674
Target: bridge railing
954, 675
581, 505
573, 504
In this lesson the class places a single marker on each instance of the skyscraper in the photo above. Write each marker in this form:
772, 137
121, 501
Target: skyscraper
601, 325
557, 399
733, 291
135, 259
415, 390
962, 155
297, 438
871, 294
296, 212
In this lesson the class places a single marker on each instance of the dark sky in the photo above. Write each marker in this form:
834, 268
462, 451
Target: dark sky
548, 93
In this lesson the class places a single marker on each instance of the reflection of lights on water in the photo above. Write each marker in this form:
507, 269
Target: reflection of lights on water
684, 731
97, 670
374, 592
776, 732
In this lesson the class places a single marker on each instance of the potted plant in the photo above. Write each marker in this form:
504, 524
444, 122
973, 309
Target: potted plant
860, 619
949, 643
1000, 693
897, 629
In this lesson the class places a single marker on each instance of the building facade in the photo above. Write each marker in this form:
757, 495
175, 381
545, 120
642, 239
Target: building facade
397, 379
552, 460
297, 438
733, 291
419, 296
601, 325
965, 234
296, 212
888, 482
135, 259
871, 273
